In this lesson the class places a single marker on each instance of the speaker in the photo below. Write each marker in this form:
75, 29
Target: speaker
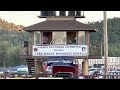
25, 43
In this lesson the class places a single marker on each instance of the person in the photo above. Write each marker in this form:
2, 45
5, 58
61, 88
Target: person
74, 40
45, 39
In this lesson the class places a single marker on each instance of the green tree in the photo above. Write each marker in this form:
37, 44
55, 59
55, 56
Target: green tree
4, 53
16, 59
113, 35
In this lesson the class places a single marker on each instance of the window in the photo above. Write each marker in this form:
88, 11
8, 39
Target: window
59, 38
66, 13
113, 60
57, 13
37, 38
78, 13
62, 13
81, 37
51, 13
44, 13
71, 13
46, 37
71, 38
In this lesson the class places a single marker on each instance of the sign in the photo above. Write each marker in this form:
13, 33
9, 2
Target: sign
60, 60
60, 50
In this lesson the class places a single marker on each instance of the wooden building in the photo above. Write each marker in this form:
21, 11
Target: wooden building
60, 30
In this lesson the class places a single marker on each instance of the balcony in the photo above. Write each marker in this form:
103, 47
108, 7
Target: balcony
95, 52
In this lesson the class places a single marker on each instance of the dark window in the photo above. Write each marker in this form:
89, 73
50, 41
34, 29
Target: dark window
71, 13
51, 13
62, 13
78, 13
71, 38
25, 43
95, 65
44, 13
47, 37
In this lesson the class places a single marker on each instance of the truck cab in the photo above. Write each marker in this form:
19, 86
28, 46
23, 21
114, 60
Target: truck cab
64, 71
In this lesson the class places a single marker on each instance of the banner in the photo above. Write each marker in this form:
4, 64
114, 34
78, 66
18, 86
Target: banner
60, 50
60, 60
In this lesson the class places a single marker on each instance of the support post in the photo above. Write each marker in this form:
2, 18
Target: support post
85, 64
85, 67
37, 70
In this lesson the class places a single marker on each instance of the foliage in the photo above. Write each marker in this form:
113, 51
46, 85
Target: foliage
113, 35
10, 51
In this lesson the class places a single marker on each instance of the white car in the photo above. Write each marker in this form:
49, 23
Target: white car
92, 70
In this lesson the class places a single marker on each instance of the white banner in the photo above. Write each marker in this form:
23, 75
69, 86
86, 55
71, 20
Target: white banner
60, 50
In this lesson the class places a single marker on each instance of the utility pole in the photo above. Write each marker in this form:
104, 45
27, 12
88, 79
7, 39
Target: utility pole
105, 42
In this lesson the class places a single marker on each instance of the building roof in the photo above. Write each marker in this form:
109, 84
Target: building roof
60, 25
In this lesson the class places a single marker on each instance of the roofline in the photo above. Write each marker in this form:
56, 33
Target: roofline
59, 30
91, 29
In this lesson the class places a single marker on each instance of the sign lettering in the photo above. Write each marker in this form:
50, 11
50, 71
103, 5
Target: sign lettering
60, 50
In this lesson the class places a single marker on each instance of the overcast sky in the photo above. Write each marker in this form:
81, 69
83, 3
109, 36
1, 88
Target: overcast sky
27, 18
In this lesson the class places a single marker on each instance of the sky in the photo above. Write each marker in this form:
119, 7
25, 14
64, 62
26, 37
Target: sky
27, 18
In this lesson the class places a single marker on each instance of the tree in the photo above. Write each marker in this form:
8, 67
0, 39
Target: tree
4, 53
15, 57
113, 35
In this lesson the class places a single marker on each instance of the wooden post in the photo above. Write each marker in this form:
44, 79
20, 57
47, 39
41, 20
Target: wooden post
37, 70
85, 64
85, 67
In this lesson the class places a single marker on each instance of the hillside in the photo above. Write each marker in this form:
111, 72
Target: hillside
11, 39
10, 26
113, 35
